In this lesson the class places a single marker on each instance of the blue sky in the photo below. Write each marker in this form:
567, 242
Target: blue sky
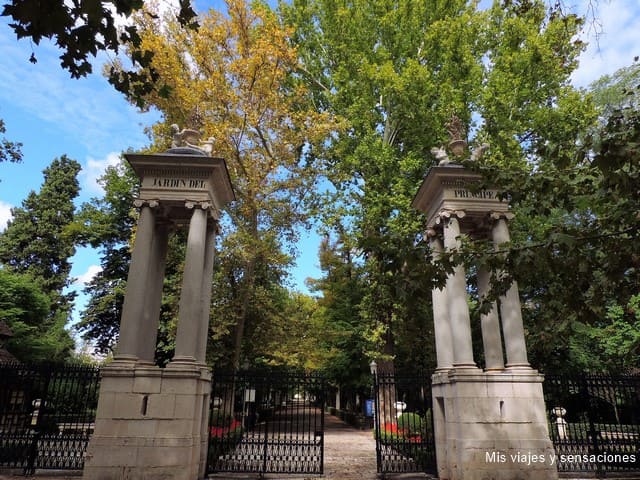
52, 115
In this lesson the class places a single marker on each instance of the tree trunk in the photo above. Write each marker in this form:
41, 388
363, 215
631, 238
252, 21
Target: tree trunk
386, 383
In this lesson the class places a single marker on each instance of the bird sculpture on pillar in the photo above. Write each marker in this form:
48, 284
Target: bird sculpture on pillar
441, 156
190, 138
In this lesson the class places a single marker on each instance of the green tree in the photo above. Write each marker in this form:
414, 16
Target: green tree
37, 241
25, 308
397, 72
620, 89
343, 337
232, 80
107, 223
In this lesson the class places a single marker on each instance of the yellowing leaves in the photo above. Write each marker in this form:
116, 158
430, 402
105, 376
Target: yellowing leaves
232, 79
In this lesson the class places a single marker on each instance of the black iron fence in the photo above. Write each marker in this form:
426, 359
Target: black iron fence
46, 415
266, 423
403, 423
594, 422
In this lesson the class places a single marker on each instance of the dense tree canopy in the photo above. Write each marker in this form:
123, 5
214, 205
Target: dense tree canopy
25, 309
361, 91
38, 243
397, 72
231, 80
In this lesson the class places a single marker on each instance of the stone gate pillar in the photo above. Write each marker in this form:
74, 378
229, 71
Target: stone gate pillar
458, 307
441, 326
489, 423
151, 422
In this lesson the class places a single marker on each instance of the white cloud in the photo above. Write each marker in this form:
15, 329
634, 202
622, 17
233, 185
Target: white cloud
87, 276
5, 214
93, 169
85, 111
614, 39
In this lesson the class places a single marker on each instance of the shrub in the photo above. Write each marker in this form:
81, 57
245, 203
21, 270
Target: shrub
411, 424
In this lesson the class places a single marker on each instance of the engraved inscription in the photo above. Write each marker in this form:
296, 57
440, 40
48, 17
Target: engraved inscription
178, 183
464, 193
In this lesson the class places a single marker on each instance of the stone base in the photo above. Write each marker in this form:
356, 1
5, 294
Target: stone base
492, 426
151, 423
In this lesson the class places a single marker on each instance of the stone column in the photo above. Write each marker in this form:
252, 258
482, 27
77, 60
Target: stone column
190, 306
207, 272
131, 329
457, 297
441, 324
510, 310
490, 323
153, 299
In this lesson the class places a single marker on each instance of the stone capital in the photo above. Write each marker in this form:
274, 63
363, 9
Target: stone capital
444, 215
208, 207
189, 205
495, 216
139, 203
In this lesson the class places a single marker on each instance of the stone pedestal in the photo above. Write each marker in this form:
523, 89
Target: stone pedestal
491, 426
149, 425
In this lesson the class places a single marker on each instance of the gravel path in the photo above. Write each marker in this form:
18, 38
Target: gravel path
349, 454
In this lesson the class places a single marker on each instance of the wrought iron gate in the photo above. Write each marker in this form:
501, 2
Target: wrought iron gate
266, 423
404, 424
46, 415
594, 422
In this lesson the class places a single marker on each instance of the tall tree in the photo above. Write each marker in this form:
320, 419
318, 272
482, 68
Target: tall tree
25, 309
107, 223
37, 241
343, 337
232, 80
575, 243
398, 71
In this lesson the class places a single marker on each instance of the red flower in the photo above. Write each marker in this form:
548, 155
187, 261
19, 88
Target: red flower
390, 428
221, 432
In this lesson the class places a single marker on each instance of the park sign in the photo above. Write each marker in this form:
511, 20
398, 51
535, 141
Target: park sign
453, 188
179, 176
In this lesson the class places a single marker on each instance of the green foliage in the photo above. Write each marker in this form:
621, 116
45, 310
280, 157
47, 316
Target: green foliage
612, 343
621, 89
342, 336
38, 242
9, 150
411, 423
107, 223
396, 74
574, 245
82, 29
25, 309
